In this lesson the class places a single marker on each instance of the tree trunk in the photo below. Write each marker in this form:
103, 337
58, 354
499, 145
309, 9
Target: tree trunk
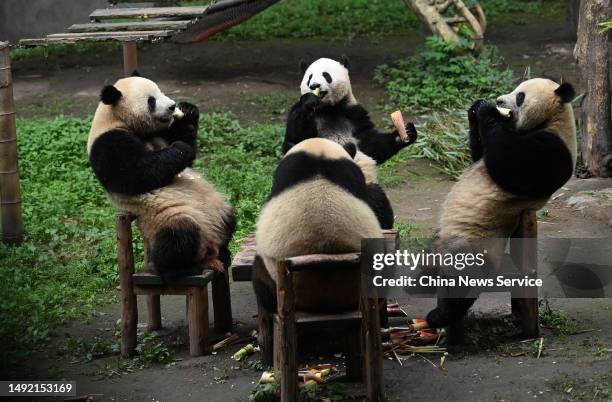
572, 11
591, 53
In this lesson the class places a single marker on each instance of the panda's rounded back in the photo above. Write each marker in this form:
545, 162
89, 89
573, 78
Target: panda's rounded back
314, 215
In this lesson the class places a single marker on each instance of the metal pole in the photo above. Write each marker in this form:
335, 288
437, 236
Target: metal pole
10, 196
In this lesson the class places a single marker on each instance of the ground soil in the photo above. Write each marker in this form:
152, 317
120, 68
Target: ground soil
236, 77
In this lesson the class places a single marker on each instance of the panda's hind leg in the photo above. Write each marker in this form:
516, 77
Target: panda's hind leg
449, 314
175, 250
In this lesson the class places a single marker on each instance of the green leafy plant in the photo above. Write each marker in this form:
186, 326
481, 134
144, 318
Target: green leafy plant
438, 84
150, 350
444, 75
556, 320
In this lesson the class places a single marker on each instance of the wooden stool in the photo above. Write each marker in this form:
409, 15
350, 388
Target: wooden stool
195, 288
360, 327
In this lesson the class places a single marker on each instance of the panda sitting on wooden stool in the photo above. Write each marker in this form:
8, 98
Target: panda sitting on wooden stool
141, 147
318, 205
523, 151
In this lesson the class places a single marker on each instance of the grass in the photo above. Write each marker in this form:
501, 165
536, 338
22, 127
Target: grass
68, 257
437, 84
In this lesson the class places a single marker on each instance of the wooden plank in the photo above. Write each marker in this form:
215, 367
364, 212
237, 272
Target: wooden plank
147, 12
130, 26
330, 320
148, 279
315, 261
119, 35
160, 290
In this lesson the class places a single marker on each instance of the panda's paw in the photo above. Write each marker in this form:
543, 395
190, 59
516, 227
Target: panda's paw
486, 112
473, 110
186, 152
310, 101
191, 112
411, 133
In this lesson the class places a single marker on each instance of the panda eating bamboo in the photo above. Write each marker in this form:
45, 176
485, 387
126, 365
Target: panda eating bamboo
522, 154
328, 109
141, 147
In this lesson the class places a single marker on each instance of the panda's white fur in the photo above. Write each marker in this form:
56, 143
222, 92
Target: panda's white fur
188, 198
331, 93
312, 217
478, 212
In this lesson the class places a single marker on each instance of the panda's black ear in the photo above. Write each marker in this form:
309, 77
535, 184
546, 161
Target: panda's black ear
351, 149
110, 95
303, 67
566, 92
345, 62
135, 73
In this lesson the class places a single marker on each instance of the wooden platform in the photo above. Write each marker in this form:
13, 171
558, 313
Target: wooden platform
154, 24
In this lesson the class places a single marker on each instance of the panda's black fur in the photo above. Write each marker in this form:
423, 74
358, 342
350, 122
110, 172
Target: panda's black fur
142, 157
338, 116
519, 162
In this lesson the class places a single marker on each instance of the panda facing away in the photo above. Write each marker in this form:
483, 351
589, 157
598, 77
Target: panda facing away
328, 109
141, 153
520, 160
318, 205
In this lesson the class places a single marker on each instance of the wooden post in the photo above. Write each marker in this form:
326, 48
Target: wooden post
129, 308
197, 297
591, 53
130, 58
154, 309
354, 354
525, 254
222, 304
153, 301
265, 337
373, 349
10, 196
288, 334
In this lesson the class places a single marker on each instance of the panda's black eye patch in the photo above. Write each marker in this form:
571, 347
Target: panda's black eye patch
151, 101
520, 98
327, 77
309, 78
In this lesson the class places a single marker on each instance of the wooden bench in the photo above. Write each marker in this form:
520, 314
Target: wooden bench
195, 289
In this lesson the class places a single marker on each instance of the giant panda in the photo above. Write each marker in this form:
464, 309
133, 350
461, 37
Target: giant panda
520, 160
142, 155
328, 109
318, 205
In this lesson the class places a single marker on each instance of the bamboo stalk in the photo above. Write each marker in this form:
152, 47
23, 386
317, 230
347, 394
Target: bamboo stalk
10, 196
